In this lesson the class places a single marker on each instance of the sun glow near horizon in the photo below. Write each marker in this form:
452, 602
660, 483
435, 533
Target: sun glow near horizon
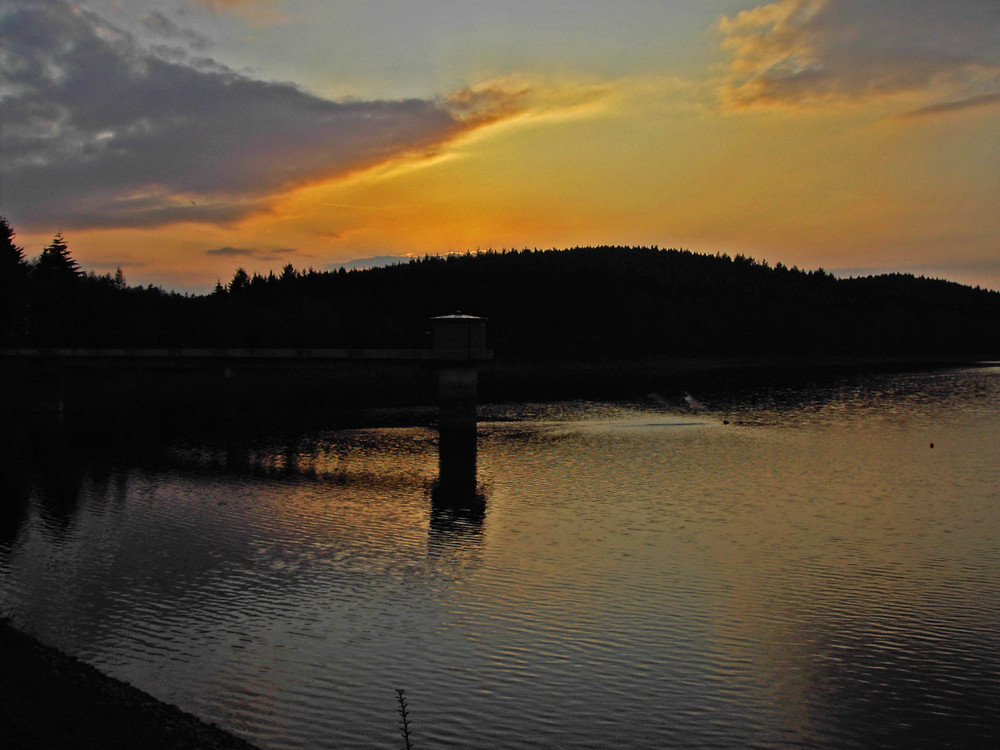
795, 132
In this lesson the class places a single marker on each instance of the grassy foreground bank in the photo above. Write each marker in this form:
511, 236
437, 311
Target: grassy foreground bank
51, 701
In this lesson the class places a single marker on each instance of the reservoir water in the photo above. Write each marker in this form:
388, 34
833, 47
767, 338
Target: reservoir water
814, 566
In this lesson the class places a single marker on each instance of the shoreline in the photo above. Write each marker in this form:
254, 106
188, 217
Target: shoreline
52, 701
631, 377
158, 403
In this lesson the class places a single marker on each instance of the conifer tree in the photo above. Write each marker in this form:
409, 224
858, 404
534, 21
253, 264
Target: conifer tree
240, 282
56, 263
13, 286
12, 263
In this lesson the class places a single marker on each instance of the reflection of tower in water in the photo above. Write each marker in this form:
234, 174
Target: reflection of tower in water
457, 438
455, 528
457, 507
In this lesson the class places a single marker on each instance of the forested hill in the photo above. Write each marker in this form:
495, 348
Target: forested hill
584, 303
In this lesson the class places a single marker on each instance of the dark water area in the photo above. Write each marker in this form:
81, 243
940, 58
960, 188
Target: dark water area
811, 562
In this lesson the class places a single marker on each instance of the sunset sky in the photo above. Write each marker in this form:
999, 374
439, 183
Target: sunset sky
180, 139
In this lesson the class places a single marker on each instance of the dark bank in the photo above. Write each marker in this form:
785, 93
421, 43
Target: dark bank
51, 701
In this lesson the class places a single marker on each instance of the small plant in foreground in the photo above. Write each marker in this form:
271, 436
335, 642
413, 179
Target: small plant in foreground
404, 718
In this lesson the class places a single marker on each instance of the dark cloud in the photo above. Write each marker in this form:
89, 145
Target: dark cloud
275, 254
231, 251
99, 131
795, 52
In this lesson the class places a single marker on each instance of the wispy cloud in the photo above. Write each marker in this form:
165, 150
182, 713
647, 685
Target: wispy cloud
231, 252
973, 102
953, 269
808, 52
102, 132
488, 102
159, 24
110, 264
273, 254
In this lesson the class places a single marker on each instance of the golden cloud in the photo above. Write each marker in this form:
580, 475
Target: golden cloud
809, 52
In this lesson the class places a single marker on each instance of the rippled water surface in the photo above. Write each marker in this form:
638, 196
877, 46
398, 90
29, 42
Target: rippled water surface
813, 567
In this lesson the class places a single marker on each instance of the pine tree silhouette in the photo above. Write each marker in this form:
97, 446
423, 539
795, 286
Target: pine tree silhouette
56, 263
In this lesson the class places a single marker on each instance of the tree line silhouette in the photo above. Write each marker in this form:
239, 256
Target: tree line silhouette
585, 303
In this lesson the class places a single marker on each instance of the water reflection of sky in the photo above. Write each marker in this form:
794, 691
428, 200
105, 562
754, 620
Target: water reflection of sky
767, 570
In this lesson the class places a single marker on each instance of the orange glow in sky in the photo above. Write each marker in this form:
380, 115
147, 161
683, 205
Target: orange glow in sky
180, 140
